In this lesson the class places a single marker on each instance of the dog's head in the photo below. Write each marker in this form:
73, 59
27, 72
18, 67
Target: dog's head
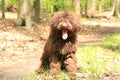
66, 22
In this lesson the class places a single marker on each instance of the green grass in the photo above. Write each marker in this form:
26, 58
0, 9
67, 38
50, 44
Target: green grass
112, 42
46, 76
101, 59
94, 60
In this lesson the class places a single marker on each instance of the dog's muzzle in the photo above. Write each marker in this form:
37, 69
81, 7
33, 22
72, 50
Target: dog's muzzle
64, 34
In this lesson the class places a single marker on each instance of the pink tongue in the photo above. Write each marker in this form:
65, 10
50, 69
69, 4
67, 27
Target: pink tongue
65, 36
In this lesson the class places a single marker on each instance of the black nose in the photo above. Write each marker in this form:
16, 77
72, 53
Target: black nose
63, 24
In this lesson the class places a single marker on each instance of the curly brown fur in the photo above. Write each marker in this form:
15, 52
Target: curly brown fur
59, 51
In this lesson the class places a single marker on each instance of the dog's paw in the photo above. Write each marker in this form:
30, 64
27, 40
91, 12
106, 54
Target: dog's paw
39, 70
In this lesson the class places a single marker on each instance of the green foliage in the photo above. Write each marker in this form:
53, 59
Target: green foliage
95, 59
48, 5
100, 59
11, 2
112, 42
108, 5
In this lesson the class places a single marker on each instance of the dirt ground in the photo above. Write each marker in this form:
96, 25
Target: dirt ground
21, 48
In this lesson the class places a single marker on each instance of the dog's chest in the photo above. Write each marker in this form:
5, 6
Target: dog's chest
66, 48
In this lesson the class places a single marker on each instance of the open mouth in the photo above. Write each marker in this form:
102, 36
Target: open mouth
64, 34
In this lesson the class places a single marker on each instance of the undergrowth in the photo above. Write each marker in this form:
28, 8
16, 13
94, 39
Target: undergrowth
93, 60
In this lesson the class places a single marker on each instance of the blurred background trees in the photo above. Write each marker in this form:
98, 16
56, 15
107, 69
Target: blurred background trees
92, 6
24, 16
76, 6
37, 10
3, 8
116, 8
87, 8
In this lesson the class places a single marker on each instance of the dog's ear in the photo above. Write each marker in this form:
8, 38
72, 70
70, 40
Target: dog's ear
78, 28
53, 22
77, 23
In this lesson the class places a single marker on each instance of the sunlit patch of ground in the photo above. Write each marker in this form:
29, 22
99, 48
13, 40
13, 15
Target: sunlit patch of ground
9, 15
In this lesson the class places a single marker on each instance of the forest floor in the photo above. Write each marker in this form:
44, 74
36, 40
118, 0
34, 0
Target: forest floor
21, 48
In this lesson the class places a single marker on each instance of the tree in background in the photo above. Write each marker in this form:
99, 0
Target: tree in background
24, 17
37, 10
3, 9
116, 8
86, 8
76, 6
100, 6
93, 7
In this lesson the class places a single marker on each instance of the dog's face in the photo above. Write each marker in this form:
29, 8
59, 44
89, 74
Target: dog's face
65, 27
65, 22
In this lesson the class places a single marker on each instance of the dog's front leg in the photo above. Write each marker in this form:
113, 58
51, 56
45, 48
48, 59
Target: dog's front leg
55, 66
70, 64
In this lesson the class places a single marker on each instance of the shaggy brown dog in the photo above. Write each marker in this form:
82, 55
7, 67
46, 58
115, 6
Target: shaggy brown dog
59, 51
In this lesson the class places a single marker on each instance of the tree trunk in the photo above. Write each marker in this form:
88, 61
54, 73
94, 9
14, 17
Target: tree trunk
76, 6
86, 8
111, 3
116, 8
93, 7
37, 10
24, 17
3, 8
100, 6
